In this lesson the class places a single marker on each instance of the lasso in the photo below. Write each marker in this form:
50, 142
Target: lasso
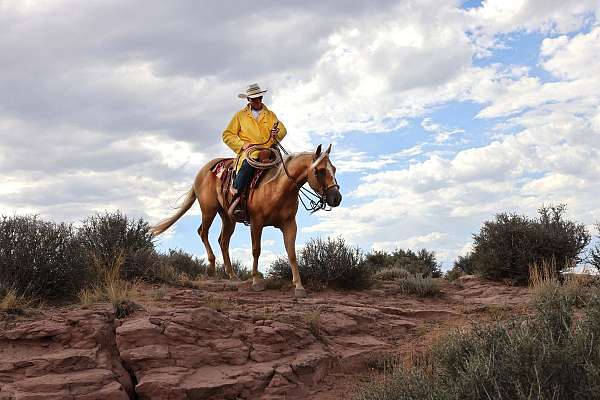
317, 202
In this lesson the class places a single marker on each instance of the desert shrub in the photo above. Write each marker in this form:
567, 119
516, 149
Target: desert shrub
453, 274
391, 274
422, 262
180, 261
105, 237
419, 285
312, 319
465, 264
595, 251
326, 263
549, 355
504, 248
40, 258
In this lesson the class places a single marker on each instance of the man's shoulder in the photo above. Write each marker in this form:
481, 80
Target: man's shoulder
243, 111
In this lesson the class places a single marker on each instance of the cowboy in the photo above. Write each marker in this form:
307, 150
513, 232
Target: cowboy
254, 124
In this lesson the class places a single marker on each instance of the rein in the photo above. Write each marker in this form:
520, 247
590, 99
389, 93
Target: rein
315, 200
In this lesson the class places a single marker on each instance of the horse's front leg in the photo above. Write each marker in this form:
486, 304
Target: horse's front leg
256, 233
289, 230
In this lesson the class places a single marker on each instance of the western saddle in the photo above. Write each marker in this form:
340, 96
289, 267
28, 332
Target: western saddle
224, 170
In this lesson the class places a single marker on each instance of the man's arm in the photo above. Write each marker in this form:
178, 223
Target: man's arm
230, 135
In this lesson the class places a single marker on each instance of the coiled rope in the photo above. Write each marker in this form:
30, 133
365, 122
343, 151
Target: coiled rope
316, 201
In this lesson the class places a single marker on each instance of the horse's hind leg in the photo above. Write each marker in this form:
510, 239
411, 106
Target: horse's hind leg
227, 228
208, 216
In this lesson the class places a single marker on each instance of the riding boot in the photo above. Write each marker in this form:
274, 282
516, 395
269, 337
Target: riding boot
232, 206
237, 209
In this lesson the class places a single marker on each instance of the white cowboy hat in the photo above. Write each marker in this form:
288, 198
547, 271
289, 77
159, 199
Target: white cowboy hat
252, 91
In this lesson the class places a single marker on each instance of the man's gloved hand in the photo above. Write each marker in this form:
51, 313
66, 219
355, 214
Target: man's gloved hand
275, 130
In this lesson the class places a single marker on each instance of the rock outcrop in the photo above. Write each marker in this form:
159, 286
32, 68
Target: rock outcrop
223, 341
63, 356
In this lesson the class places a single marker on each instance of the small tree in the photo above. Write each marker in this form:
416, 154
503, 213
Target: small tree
506, 247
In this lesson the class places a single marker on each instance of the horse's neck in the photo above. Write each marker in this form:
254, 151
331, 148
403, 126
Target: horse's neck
298, 168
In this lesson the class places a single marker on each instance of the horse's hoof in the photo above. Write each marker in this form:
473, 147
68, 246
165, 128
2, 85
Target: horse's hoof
258, 286
300, 292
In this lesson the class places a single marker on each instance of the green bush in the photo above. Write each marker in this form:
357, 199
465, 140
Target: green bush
422, 262
326, 263
550, 355
105, 237
504, 248
40, 259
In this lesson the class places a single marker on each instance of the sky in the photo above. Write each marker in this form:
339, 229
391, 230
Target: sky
441, 113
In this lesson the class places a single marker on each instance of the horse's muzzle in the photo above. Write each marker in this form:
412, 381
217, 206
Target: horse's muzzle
333, 197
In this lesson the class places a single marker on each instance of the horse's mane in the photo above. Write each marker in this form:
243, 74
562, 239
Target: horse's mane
278, 171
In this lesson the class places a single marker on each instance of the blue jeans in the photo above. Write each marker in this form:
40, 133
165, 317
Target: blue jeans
243, 177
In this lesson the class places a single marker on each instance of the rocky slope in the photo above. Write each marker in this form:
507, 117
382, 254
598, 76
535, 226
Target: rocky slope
222, 341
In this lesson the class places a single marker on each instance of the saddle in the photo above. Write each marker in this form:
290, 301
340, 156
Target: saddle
224, 170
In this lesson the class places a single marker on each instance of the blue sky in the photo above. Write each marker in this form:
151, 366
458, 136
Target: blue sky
441, 114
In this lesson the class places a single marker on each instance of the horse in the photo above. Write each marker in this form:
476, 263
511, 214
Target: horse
273, 203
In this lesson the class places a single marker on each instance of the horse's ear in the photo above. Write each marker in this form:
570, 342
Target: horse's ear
328, 149
317, 153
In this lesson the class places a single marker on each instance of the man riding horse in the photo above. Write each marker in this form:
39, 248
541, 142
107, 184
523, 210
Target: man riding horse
254, 124
274, 202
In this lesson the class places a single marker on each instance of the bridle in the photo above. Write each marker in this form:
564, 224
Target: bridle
316, 201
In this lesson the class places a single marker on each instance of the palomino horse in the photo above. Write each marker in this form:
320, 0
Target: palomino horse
273, 203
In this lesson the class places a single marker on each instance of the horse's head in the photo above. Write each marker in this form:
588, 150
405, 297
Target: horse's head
321, 177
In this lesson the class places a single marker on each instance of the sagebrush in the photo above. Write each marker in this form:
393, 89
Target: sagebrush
326, 263
422, 262
550, 355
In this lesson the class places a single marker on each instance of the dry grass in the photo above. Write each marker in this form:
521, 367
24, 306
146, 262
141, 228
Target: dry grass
118, 292
89, 296
385, 363
167, 273
543, 279
14, 303
216, 303
312, 319
159, 293
184, 280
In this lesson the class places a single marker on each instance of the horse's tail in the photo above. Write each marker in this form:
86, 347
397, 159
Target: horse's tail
163, 225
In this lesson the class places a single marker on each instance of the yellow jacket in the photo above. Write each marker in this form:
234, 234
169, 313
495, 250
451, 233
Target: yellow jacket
243, 128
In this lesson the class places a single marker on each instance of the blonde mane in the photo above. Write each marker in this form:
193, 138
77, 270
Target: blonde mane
278, 171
